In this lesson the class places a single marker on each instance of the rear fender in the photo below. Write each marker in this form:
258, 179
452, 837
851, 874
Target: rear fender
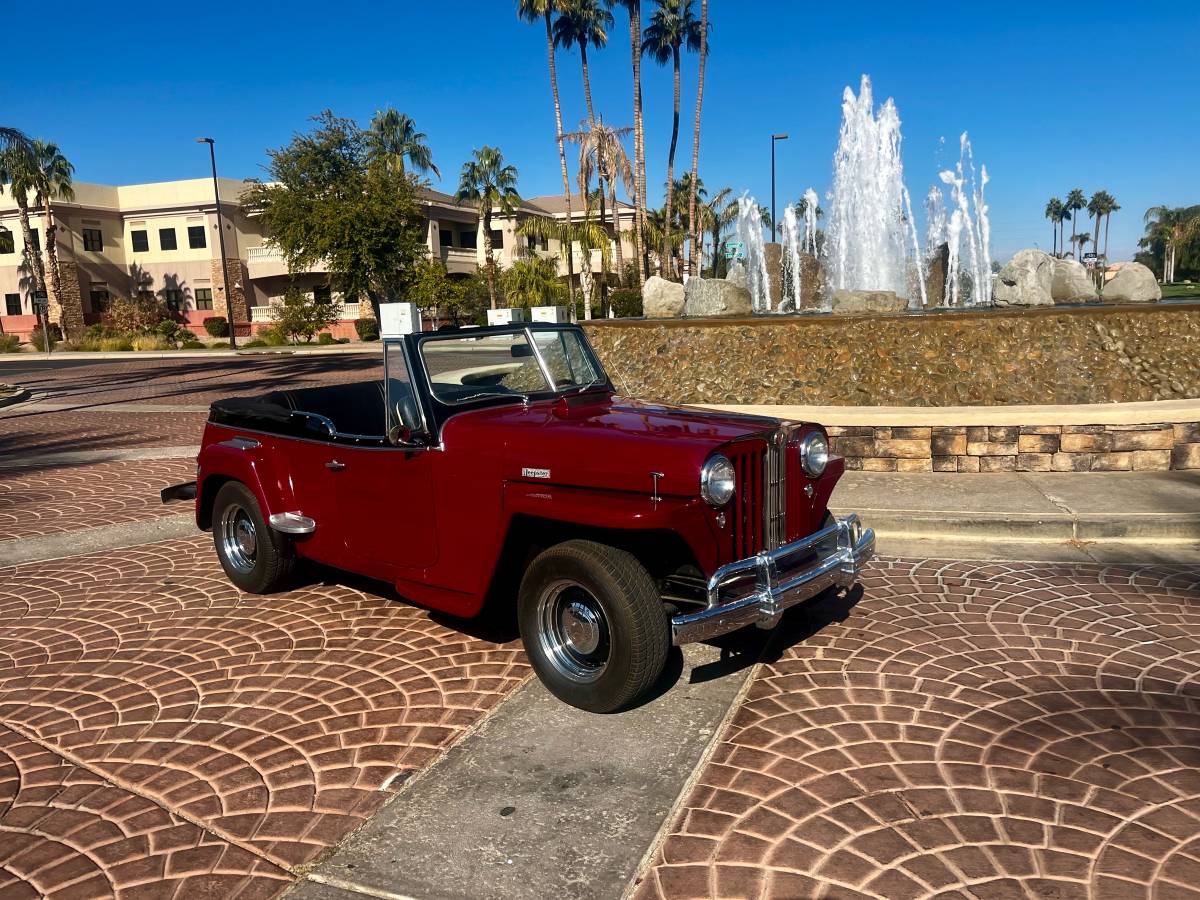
237, 460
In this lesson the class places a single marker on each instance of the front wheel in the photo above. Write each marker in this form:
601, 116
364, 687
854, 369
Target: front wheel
593, 625
256, 558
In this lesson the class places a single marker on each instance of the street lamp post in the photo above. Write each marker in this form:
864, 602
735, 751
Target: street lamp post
774, 138
212, 155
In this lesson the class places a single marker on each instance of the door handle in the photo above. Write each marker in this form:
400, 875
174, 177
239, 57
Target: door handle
334, 466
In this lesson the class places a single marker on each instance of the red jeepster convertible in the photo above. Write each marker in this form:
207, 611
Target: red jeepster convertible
498, 462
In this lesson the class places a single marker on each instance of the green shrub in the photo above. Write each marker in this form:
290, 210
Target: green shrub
325, 338
625, 302
38, 339
171, 332
217, 326
193, 345
87, 345
343, 340
9, 343
273, 337
113, 344
151, 342
255, 344
219, 345
367, 329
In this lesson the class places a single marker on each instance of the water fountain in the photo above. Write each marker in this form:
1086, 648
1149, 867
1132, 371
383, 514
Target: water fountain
791, 238
749, 233
812, 203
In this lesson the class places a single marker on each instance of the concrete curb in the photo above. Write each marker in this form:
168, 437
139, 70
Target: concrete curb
373, 347
1031, 527
21, 395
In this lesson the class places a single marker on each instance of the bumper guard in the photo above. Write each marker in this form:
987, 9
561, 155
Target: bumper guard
757, 590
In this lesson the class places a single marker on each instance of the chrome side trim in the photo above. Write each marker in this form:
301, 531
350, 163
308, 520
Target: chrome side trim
240, 443
292, 523
757, 590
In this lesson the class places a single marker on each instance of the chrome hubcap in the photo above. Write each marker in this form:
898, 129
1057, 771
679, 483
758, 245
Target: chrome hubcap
239, 538
574, 631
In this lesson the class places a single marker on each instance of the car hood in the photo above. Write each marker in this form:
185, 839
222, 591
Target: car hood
599, 440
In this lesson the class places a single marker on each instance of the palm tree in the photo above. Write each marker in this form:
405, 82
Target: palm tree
532, 281
1078, 241
393, 138
802, 208
672, 25
601, 150
1054, 212
21, 173
1175, 228
634, 8
1075, 201
1096, 206
695, 248
587, 234
1110, 206
579, 23
54, 183
531, 11
718, 214
491, 185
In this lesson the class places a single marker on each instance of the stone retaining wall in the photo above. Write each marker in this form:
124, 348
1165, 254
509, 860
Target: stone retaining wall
1019, 448
1054, 355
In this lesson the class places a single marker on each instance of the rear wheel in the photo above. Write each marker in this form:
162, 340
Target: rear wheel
256, 558
593, 625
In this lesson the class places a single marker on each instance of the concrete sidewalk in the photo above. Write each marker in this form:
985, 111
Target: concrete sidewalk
1111, 512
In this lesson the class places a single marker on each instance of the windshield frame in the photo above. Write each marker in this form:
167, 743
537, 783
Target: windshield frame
527, 330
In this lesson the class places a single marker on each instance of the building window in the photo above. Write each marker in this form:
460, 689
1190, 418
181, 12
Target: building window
466, 239
445, 237
93, 240
497, 240
196, 239
141, 243
35, 240
7, 243
173, 298
99, 298
12, 304
322, 293
203, 298
166, 239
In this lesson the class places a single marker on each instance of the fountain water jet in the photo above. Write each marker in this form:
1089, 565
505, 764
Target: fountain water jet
790, 238
749, 232
974, 230
868, 209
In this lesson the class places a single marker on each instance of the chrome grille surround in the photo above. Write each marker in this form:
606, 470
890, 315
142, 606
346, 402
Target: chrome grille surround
775, 511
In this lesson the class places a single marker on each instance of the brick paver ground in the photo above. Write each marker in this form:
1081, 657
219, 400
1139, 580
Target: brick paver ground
966, 730
277, 724
190, 380
28, 431
40, 501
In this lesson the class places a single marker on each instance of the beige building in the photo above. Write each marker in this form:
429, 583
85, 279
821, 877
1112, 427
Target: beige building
161, 239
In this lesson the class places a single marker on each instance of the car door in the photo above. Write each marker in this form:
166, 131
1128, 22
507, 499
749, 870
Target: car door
384, 492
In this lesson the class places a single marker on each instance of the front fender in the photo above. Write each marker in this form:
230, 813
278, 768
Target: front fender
250, 462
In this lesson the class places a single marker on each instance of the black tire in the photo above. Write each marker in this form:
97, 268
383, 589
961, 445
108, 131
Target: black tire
256, 557
578, 591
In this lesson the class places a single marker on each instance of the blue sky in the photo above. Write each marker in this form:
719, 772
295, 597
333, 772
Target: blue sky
1054, 96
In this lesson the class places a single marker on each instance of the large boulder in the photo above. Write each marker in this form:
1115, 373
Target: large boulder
845, 301
716, 297
1026, 280
773, 257
662, 299
737, 274
812, 281
935, 278
1133, 283
1071, 282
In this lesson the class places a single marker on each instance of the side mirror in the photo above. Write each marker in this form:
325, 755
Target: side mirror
403, 436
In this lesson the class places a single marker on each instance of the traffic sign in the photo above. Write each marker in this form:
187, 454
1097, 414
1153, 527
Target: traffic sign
735, 250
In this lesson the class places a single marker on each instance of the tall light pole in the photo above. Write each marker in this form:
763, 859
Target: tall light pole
774, 138
212, 155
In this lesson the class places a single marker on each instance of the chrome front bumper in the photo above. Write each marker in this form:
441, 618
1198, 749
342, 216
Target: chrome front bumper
756, 591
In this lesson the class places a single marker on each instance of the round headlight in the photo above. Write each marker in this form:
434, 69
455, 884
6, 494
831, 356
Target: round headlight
716, 481
814, 454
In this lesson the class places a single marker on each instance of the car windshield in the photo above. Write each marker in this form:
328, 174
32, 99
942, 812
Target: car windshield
465, 368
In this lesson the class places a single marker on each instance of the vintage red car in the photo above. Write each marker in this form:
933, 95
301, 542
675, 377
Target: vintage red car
495, 463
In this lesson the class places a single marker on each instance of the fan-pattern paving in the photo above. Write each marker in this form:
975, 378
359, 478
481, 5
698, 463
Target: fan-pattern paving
279, 722
965, 730
36, 501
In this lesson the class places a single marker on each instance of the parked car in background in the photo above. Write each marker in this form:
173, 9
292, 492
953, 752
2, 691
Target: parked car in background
498, 466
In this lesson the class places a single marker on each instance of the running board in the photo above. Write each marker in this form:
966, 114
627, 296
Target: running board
292, 523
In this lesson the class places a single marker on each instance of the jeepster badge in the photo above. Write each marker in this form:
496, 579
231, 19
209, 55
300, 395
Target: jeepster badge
535, 473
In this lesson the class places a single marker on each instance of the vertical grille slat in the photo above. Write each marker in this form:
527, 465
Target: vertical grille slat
759, 517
